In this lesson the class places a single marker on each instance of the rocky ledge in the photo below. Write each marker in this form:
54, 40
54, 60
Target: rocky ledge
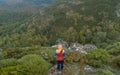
72, 69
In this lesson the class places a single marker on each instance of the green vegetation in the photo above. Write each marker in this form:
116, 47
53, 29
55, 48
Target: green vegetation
114, 51
8, 62
25, 28
21, 60
13, 70
74, 21
27, 65
34, 64
104, 72
116, 61
97, 58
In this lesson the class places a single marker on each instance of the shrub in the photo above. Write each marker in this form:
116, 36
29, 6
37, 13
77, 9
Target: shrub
116, 61
75, 57
3, 55
103, 72
13, 70
114, 49
20, 52
8, 62
48, 55
34, 64
97, 57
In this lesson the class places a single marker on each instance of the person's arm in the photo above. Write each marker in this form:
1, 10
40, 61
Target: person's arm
65, 53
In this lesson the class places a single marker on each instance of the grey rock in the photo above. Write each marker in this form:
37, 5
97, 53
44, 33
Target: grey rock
68, 70
54, 46
83, 49
1, 49
77, 47
89, 47
64, 43
89, 69
118, 13
73, 69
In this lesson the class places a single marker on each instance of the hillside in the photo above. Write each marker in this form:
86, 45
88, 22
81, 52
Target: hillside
82, 21
88, 29
14, 12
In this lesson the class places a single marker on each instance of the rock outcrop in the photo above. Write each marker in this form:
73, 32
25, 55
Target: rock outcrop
1, 49
73, 69
64, 43
82, 48
89, 47
77, 47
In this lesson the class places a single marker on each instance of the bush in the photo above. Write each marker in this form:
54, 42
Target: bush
97, 57
3, 55
8, 62
116, 61
48, 55
75, 57
114, 49
13, 70
103, 72
20, 52
34, 64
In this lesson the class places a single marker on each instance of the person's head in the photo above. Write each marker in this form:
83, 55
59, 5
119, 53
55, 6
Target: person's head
60, 46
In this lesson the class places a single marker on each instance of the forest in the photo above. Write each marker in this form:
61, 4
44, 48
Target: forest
27, 26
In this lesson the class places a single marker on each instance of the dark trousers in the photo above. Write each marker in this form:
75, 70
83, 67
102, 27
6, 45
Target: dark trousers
60, 65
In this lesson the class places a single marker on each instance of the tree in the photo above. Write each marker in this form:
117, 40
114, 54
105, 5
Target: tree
70, 35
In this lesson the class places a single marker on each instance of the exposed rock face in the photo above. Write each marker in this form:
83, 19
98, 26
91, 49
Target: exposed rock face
73, 69
54, 46
1, 49
77, 47
118, 13
89, 69
68, 70
81, 48
88, 47
53, 71
64, 43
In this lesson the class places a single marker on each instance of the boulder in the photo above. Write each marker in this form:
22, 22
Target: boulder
54, 46
77, 47
68, 70
89, 47
83, 49
64, 43
89, 69
73, 69
1, 49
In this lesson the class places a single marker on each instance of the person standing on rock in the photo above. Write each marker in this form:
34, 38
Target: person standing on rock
60, 54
